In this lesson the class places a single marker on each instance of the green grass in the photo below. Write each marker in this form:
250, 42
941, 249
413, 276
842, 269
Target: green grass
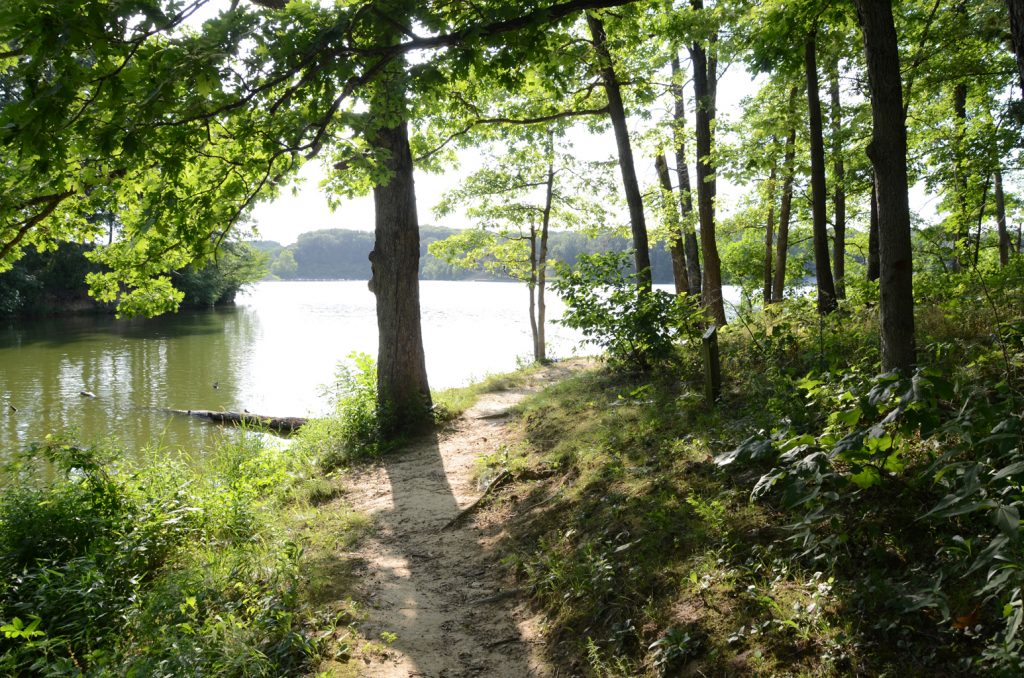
648, 558
450, 403
173, 569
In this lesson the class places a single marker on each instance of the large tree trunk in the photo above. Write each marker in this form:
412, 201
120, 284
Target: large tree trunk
769, 237
839, 190
693, 273
1004, 235
888, 154
873, 263
1017, 33
704, 87
402, 390
675, 238
617, 113
819, 227
786, 209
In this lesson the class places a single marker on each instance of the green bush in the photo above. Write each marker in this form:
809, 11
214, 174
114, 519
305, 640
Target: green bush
352, 430
637, 330
164, 571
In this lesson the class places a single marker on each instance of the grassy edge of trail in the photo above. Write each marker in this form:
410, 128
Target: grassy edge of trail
231, 567
820, 520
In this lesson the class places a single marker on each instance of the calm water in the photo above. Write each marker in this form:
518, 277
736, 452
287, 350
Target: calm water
271, 354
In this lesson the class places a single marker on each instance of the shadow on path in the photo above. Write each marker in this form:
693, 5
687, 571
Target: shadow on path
435, 590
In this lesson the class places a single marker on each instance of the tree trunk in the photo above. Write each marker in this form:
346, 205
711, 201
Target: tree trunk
961, 222
786, 209
676, 248
888, 154
981, 218
617, 113
1017, 33
839, 191
542, 270
402, 390
1004, 235
873, 264
769, 237
693, 273
704, 87
822, 268
532, 285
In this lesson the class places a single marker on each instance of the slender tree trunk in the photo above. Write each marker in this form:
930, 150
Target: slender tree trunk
693, 273
873, 263
822, 268
1016, 8
981, 218
675, 241
532, 285
704, 87
888, 154
402, 390
839, 190
542, 271
631, 186
786, 209
1004, 235
769, 237
961, 224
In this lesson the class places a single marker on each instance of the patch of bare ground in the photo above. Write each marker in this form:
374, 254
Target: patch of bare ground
435, 601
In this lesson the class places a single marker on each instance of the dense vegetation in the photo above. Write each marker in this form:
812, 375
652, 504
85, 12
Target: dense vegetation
54, 281
819, 519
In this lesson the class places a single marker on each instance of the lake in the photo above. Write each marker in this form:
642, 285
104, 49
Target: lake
271, 354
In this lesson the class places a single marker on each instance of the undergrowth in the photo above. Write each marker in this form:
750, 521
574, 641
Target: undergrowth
165, 570
821, 519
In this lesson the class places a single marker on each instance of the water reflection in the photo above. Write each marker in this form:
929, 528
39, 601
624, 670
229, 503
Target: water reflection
270, 355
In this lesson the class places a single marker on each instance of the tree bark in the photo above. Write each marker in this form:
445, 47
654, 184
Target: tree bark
704, 87
542, 270
631, 186
402, 390
873, 264
839, 190
693, 273
888, 154
675, 242
1004, 235
786, 209
1016, 8
532, 286
822, 268
961, 224
769, 237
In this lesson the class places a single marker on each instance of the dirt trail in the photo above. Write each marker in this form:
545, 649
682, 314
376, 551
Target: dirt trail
438, 591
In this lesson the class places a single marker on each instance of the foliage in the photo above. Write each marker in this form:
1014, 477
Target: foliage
637, 330
109, 571
351, 431
219, 279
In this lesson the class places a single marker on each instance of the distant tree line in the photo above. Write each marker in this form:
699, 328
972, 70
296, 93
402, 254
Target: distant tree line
340, 254
54, 281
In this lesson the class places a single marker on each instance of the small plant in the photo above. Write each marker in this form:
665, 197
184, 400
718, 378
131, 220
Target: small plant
638, 330
353, 429
673, 649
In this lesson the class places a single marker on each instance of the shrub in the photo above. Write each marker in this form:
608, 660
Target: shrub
637, 330
353, 429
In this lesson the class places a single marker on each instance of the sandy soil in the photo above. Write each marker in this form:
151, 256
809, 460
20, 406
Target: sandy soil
438, 590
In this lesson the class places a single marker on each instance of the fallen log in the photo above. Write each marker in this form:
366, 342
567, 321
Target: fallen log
278, 424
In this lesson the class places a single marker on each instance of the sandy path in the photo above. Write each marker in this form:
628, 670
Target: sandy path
438, 591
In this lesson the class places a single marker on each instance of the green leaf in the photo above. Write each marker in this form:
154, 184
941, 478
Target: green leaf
1011, 470
1007, 519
